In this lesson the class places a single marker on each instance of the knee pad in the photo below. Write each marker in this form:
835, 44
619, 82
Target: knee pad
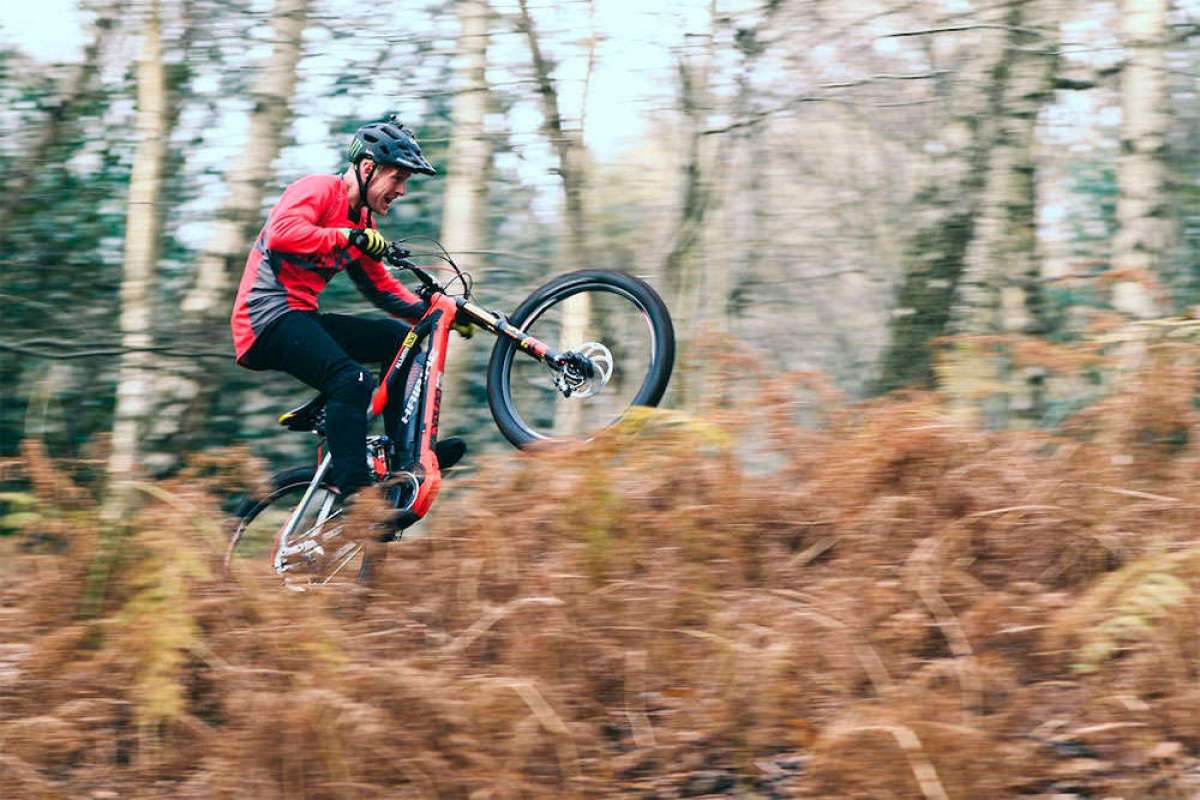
351, 384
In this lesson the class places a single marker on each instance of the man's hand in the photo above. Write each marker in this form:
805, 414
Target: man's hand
464, 329
368, 240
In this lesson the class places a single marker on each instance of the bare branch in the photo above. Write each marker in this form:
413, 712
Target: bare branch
886, 77
30, 348
958, 28
758, 117
1072, 85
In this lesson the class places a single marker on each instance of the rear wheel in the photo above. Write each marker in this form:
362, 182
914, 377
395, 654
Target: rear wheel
620, 333
315, 552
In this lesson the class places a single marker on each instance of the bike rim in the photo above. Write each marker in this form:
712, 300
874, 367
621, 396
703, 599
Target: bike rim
589, 312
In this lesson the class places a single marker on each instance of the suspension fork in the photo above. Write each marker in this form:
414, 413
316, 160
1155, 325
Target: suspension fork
498, 323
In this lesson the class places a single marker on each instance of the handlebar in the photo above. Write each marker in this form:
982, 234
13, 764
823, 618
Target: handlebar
397, 255
495, 322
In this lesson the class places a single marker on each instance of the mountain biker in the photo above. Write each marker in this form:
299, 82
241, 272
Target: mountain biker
323, 225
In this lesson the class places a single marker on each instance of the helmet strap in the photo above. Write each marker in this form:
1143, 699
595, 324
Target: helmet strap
362, 190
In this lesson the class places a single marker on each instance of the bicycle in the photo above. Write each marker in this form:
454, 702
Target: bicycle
535, 393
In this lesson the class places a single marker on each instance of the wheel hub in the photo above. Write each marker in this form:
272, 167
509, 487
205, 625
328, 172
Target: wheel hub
585, 370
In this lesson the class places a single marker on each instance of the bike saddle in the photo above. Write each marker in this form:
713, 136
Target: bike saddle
306, 417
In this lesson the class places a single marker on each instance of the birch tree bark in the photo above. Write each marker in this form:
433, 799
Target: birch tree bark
682, 267
742, 167
998, 290
1144, 230
943, 213
567, 143
568, 146
185, 393
464, 210
135, 376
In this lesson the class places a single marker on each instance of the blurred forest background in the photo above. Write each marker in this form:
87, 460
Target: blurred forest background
935, 270
833, 185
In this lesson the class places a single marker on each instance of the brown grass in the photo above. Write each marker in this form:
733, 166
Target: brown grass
877, 603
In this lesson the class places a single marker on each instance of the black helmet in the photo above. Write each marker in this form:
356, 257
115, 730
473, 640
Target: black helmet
389, 142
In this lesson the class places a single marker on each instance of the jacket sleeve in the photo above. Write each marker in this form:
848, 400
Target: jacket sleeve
293, 226
387, 293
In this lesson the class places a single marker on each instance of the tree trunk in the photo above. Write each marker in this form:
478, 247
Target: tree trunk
1144, 229
998, 290
186, 393
568, 145
464, 209
743, 168
683, 266
135, 377
943, 215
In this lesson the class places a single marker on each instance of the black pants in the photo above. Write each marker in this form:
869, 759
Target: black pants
325, 351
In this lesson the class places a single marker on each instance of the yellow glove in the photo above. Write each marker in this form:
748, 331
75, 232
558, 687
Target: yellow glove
464, 329
368, 240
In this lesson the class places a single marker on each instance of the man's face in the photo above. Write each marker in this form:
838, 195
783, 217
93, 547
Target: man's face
385, 187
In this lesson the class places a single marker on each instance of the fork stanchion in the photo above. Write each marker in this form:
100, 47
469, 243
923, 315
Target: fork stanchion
301, 507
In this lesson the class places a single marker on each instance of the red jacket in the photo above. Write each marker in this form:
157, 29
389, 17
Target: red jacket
298, 251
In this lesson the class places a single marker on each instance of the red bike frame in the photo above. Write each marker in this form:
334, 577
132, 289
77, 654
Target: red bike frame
442, 313
437, 322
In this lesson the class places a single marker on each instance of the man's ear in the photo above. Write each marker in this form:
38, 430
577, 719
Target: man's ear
367, 166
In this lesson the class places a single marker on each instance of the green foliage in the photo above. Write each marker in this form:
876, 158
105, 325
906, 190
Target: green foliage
18, 512
1127, 607
1094, 220
61, 279
1183, 159
159, 626
1058, 304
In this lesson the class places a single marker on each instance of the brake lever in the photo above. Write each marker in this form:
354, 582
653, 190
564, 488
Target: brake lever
395, 254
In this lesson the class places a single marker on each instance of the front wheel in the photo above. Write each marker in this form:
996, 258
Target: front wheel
619, 331
315, 552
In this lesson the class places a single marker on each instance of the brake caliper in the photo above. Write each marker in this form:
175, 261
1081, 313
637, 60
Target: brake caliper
584, 371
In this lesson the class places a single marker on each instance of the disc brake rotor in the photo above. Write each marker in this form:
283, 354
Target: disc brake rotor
573, 381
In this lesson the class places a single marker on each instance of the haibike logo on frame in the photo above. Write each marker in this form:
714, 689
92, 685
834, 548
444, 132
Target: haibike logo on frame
410, 405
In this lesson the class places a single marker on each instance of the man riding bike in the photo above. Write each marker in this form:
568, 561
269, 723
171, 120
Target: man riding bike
321, 226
